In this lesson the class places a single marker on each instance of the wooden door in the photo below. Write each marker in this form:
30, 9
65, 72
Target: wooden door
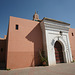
58, 52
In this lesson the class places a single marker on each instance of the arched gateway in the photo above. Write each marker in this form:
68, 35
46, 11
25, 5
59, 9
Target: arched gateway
56, 41
58, 52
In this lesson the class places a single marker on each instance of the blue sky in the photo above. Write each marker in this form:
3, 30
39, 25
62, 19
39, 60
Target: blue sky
63, 10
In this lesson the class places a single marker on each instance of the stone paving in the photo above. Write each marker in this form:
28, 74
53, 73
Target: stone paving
59, 69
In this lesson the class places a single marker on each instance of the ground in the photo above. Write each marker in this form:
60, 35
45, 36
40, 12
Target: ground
59, 69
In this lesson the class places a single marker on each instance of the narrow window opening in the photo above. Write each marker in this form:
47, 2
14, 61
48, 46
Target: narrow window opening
1, 49
17, 27
72, 34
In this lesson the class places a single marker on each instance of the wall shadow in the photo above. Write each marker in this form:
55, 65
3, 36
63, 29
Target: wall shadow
35, 36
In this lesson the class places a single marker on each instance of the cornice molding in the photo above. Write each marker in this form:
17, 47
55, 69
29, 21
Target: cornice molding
56, 27
50, 24
49, 19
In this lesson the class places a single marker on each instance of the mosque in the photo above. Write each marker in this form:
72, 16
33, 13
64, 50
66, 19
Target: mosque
25, 38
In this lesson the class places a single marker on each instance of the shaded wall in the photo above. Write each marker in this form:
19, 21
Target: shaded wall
23, 44
72, 41
2, 50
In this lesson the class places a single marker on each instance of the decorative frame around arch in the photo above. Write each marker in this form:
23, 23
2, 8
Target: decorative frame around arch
63, 43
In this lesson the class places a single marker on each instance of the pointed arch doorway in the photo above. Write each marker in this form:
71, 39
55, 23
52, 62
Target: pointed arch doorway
58, 52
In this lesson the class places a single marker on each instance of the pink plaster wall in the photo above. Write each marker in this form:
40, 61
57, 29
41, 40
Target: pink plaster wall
72, 41
23, 44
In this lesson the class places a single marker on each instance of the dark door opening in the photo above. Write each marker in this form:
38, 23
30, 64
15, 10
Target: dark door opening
2, 59
58, 52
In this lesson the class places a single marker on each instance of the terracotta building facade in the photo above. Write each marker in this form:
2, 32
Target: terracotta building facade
25, 38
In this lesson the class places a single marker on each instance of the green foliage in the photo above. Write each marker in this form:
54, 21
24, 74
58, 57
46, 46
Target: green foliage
8, 69
73, 61
43, 59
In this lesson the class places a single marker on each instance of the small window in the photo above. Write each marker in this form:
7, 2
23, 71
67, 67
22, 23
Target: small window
1, 49
17, 27
72, 34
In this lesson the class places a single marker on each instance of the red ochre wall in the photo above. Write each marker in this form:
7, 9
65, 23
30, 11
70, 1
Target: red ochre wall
23, 44
72, 41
